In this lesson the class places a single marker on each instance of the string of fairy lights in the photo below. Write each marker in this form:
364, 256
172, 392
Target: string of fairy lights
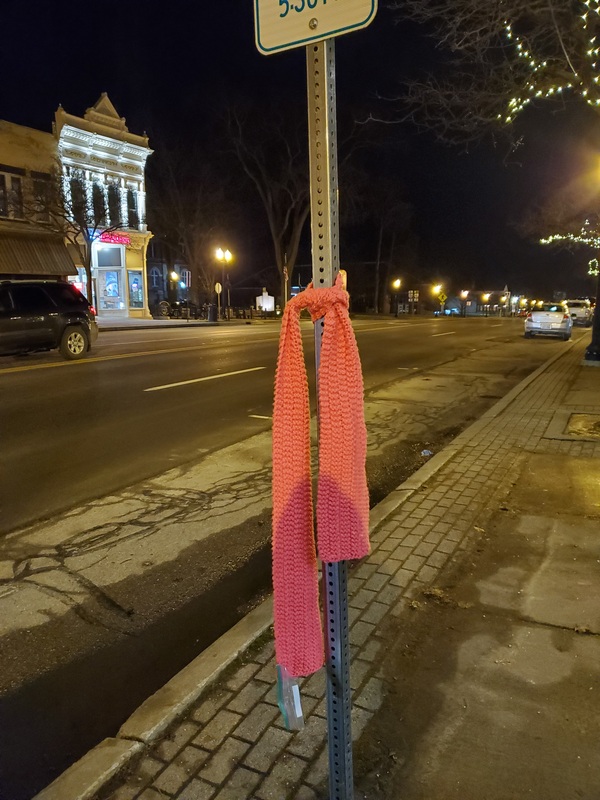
586, 236
542, 84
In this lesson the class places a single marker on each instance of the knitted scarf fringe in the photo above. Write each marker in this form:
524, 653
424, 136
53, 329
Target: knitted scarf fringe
342, 494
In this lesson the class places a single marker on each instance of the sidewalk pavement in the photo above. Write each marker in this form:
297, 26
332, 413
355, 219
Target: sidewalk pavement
475, 639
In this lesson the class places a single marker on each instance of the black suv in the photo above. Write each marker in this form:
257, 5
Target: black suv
43, 315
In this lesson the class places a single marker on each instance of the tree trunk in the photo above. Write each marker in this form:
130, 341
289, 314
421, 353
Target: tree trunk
377, 269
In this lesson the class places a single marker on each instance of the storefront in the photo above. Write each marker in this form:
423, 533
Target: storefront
103, 167
119, 285
119, 276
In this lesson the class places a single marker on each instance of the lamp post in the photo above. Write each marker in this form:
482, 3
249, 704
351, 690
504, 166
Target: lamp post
436, 291
396, 284
463, 302
592, 352
486, 300
225, 257
172, 292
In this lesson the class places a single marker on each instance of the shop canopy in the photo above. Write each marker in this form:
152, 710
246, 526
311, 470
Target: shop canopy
31, 254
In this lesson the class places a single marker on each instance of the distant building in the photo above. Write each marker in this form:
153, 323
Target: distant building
101, 166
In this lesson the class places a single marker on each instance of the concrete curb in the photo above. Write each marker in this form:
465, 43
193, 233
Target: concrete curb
88, 775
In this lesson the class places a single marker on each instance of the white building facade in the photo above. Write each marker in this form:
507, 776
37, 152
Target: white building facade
105, 164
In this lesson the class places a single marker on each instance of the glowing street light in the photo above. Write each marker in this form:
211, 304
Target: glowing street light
396, 284
225, 257
436, 289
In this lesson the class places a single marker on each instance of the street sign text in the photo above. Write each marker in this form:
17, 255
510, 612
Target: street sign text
285, 24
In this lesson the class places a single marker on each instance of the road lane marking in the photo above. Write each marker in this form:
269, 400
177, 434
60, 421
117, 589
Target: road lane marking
447, 333
259, 416
199, 380
498, 325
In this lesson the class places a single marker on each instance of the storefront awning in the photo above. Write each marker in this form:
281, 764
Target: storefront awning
31, 254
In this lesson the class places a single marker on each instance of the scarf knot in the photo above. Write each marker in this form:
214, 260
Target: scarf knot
320, 301
342, 494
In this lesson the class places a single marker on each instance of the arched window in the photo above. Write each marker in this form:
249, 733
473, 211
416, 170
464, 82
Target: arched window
155, 278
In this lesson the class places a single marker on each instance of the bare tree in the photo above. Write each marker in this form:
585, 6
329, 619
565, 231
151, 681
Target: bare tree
498, 57
271, 147
189, 204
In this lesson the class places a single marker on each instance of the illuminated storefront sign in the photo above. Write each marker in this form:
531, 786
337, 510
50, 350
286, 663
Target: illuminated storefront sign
114, 238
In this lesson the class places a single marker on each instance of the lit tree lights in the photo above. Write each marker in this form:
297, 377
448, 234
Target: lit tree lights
548, 76
588, 236
502, 56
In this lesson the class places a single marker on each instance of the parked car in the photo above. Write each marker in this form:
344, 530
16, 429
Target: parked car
580, 311
45, 315
549, 319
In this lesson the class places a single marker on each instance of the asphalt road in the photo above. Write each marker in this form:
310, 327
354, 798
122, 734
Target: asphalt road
148, 400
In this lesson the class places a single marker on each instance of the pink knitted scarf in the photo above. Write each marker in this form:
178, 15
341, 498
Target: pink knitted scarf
342, 499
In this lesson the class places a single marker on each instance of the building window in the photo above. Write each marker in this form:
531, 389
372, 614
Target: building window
98, 204
42, 197
155, 278
186, 277
134, 281
109, 256
3, 197
132, 211
78, 210
114, 204
11, 197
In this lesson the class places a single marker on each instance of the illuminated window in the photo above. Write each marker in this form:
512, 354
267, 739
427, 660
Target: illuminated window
186, 277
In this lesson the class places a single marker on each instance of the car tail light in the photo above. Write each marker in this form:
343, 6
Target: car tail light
93, 311
566, 316
529, 316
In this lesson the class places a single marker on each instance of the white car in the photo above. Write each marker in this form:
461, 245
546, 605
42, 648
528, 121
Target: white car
580, 311
549, 319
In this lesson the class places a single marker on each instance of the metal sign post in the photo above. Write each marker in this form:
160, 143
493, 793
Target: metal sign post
314, 24
322, 137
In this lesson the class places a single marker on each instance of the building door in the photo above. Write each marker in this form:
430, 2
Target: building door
110, 278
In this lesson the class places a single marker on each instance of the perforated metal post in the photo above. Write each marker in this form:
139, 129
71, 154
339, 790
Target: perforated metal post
322, 134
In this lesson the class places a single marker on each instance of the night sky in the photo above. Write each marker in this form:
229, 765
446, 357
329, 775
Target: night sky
164, 64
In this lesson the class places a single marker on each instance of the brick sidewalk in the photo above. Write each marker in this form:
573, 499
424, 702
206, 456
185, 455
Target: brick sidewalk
231, 744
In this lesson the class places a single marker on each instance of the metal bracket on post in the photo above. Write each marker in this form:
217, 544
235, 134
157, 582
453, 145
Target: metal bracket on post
322, 136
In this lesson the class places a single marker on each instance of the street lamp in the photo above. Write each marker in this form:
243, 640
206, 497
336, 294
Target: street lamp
436, 290
486, 299
592, 352
463, 302
396, 284
225, 257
